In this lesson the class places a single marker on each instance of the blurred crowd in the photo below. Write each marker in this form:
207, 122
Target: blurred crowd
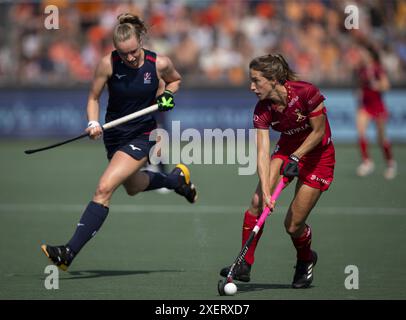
209, 41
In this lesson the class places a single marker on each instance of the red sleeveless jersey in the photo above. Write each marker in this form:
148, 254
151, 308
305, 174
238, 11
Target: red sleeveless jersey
293, 121
317, 166
371, 99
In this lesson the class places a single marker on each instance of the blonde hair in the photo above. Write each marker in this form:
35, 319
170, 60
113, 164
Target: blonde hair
273, 67
129, 25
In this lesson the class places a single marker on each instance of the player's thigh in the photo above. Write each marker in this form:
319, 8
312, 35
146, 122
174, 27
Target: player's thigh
303, 202
274, 177
119, 169
363, 119
275, 172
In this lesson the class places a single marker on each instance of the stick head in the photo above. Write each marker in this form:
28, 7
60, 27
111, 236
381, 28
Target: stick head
220, 287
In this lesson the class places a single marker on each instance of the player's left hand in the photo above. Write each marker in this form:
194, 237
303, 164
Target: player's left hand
166, 101
291, 170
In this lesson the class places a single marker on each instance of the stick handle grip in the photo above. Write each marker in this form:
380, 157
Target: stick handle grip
274, 196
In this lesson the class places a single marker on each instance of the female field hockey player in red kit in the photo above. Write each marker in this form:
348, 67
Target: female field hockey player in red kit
136, 78
373, 81
304, 150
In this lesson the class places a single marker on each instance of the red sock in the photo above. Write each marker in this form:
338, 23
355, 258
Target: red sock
302, 245
387, 151
363, 145
249, 224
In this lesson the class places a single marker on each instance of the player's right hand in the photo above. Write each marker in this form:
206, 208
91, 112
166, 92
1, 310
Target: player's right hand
267, 202
94, 129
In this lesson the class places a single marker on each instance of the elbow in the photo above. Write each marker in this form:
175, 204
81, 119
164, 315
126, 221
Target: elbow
318, 135
179, 79
93, 99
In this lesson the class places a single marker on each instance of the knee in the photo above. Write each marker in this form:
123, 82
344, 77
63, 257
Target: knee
104, 190
294, 229
256, 204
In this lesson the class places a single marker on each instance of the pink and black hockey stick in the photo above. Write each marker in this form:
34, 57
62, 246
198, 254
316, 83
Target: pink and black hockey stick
254, 232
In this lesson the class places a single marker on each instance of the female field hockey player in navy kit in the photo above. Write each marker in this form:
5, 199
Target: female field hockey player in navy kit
304, 150
136, 78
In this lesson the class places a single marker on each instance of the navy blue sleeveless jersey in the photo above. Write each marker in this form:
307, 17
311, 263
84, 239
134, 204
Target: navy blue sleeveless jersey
131, 90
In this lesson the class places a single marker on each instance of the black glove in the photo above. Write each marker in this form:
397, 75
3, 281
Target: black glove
292, 168
165, 101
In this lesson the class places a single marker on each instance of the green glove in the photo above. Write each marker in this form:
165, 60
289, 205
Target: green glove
165, 101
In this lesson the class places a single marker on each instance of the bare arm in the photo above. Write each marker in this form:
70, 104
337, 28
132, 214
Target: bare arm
382, 84
168, 73
102, 74
264, 163
318, 125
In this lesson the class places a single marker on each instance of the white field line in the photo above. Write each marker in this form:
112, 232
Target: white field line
185, 209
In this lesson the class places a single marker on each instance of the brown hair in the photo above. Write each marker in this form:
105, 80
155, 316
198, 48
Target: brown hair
128, 25
273, 67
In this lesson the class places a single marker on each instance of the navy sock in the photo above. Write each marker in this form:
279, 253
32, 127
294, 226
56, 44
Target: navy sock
159, 180
90, 222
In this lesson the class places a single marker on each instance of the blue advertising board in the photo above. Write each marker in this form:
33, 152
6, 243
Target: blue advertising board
45, 113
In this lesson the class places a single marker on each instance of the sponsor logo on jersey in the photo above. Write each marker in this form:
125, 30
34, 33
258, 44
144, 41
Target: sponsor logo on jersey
147, 77
316, 178
297, 130
293, 101
300, 116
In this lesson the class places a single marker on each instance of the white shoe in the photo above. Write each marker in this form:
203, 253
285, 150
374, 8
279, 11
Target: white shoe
391, 170
365, 168
163, 191
152, 168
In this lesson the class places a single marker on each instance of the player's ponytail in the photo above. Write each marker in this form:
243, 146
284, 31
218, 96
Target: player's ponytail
273, 67
129, 25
